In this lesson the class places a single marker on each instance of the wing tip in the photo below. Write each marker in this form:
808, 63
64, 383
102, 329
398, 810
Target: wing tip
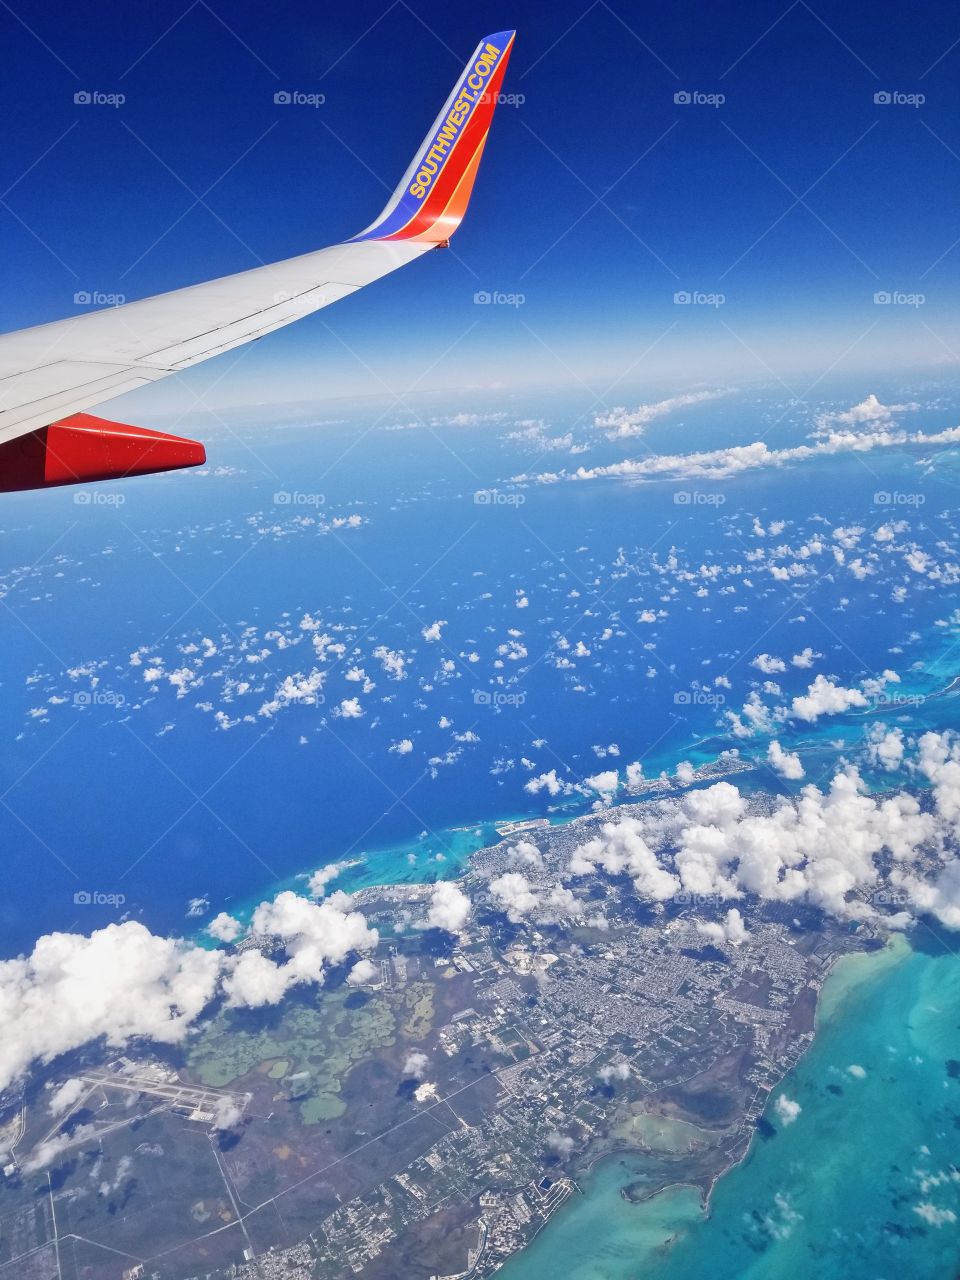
432, 198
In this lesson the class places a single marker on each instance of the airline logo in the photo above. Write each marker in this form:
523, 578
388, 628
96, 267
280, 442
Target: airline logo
470, 93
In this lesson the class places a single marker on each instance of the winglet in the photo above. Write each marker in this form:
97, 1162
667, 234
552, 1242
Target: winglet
432, 198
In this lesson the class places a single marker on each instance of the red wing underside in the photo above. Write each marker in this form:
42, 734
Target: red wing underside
83, 448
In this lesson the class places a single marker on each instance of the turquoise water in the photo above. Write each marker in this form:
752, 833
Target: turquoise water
834, 1194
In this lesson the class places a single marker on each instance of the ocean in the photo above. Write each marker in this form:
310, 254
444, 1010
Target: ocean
582, 627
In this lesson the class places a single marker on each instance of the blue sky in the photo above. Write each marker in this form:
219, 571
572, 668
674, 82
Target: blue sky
797, 198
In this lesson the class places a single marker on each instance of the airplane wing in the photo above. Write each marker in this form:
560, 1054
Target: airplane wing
51, 373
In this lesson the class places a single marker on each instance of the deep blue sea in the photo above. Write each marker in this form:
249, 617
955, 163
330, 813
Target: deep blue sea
148, 757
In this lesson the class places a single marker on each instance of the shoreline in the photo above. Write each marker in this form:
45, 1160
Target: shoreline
706, 1195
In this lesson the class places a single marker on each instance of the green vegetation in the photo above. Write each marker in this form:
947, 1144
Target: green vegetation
309, 1049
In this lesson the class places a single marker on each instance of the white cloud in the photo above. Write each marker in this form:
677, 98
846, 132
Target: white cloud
786, 1110
869, 412
415, 1065
731, 929
120, 982
550, 783
432, 632
621, 849
769, 665
227, 1114
514, 894
224, 928
363, 971
885, 747
392, 661
786, 763
718, 464
403, 747
606, 783
825, 698
933, 1216
623, 424
805, 658
611, 1071
323, 876
67, 1096
449, 907
821, 847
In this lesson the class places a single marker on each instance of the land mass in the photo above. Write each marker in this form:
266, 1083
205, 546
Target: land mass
429, 1123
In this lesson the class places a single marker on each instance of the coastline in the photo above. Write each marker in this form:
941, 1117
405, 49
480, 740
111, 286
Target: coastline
844, 975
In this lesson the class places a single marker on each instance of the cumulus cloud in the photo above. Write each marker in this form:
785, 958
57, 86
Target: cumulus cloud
313, 934
119, 983
363, 971
67, 1096
513, 894
45, 1153
415, 1065
933, 1216
624, 424
786, 763
769, 665
432, 632
621, 849
606, 783
786, 1110
323, 876
869, 412
449, 907
550, 783
611, 1071
526, 854
885, 747
227, 1114
731, 929
822, 847
561, 1144
718, 464
805, 658
825, 698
